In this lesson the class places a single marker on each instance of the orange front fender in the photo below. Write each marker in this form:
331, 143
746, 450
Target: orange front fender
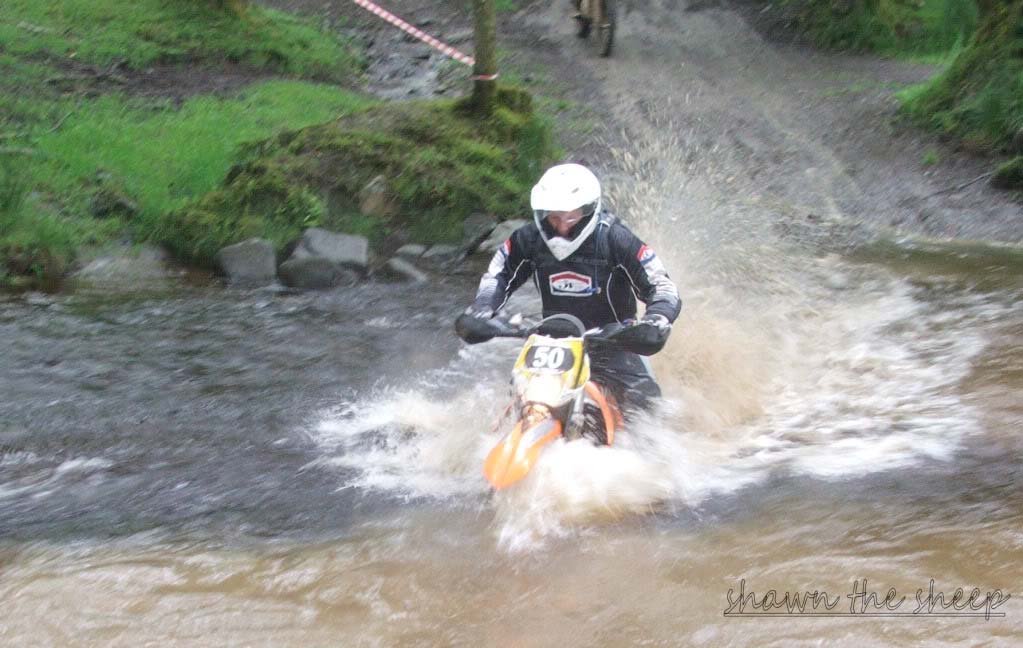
511, 459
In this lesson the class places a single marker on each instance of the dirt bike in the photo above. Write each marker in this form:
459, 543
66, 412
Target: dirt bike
553, 395
599, 14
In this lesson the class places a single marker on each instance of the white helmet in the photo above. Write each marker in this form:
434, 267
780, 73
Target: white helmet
566, 187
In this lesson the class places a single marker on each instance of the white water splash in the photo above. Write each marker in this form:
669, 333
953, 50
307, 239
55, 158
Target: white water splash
28, 473
784, 361
863, 382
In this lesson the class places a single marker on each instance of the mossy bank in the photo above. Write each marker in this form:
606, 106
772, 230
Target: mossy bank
198, 124
919, 28
430, 163
978, 99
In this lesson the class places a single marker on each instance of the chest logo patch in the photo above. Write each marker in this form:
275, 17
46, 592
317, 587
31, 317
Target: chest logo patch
571, 284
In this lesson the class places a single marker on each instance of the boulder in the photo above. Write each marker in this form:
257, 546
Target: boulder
315, 273
500, 235
341, 249
475, 229
250, 263
441, 252
108, 202
411, 250
404, 269
477, 226
131, 267
377, 199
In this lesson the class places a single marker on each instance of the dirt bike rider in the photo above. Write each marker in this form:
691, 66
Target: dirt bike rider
586, 263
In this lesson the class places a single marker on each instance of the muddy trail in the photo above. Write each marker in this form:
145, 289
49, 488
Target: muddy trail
794, 134
800, 136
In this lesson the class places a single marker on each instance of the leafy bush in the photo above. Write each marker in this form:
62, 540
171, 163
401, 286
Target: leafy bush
892, 27
979, 97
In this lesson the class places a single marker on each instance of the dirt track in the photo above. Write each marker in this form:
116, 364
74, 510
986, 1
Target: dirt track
694, 99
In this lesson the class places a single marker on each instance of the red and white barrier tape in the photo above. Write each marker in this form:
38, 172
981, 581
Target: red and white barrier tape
446, 49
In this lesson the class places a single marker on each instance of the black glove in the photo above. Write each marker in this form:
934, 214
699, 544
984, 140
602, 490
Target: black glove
645, 337
473, 326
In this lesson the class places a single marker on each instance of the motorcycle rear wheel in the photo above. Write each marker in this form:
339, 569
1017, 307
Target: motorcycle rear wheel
606, 28
582, 26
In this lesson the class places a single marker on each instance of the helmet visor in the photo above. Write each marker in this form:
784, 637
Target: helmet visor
567, 225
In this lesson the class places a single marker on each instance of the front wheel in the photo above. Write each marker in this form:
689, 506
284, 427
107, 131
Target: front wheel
593, 427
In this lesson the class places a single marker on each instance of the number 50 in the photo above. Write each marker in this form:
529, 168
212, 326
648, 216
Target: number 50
548, 357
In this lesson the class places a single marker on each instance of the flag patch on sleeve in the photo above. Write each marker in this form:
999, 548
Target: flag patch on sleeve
646, 254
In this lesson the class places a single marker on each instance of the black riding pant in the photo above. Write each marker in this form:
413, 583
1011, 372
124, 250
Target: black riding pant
626, 375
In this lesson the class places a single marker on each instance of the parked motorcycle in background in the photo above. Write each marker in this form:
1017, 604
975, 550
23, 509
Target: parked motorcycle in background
596, 17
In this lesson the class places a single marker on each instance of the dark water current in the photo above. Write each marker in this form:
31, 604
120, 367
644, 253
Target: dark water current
182, 409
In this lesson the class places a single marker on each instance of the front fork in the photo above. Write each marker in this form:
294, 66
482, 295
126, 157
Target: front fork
577, 420
610, 413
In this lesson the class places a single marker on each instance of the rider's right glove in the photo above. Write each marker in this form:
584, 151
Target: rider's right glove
472, 325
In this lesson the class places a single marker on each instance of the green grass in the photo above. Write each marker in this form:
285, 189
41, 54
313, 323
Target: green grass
978, 98
61, 151
36, 240
26, 100
80, 169
506, 6
154, 155
143, 32
162, 156
927, 30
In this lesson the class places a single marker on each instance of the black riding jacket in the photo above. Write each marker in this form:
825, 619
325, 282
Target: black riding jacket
598, 283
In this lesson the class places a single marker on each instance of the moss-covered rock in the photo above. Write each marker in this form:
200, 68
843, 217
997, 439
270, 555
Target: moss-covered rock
441, 164
1009, 175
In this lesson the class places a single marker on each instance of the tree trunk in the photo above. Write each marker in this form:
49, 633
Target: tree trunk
484, 90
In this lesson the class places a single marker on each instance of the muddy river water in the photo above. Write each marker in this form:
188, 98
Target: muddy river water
201, 466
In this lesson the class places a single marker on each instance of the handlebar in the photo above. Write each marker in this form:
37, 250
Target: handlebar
634, 337
475, 329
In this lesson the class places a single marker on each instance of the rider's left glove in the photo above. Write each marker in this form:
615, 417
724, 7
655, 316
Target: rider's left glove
472, 325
